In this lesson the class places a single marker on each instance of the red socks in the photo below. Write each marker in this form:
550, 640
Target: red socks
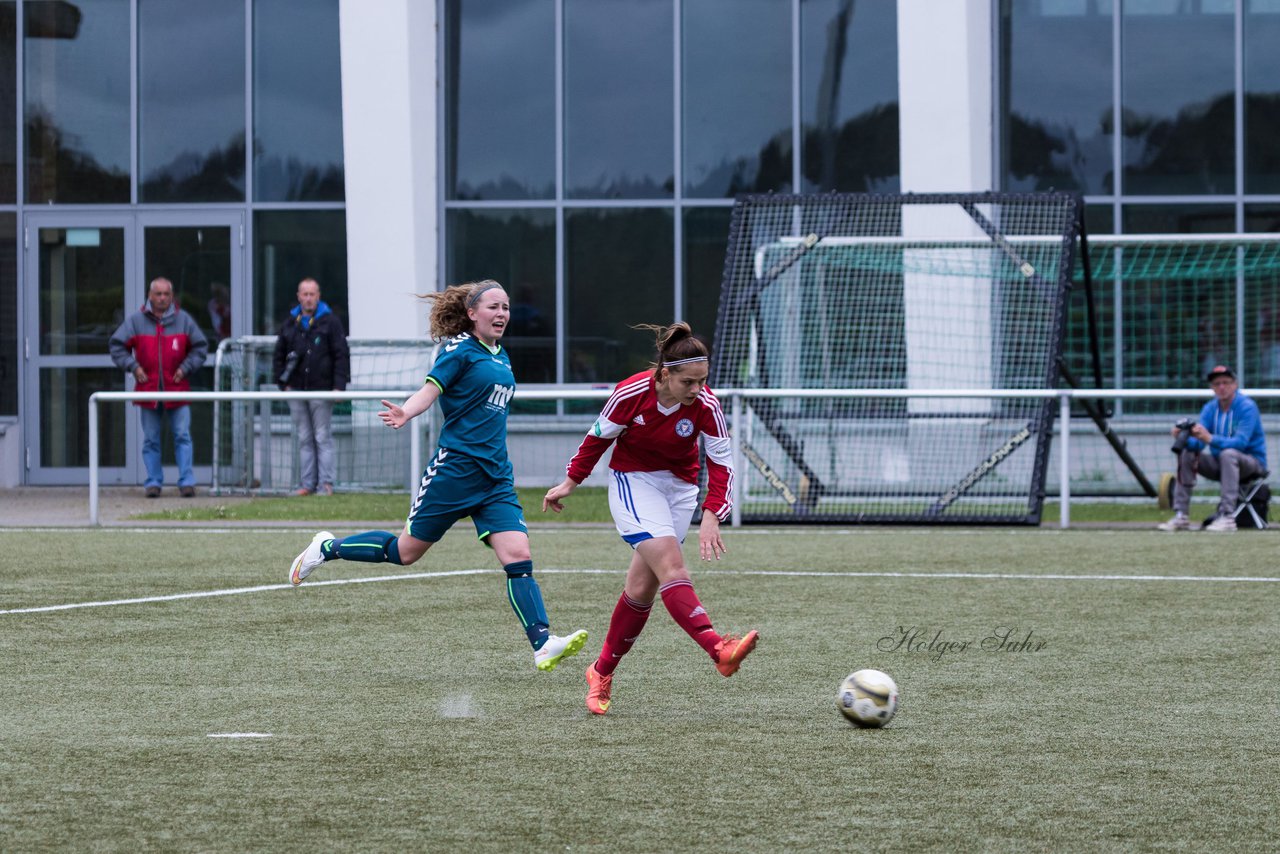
688, 612
629, 617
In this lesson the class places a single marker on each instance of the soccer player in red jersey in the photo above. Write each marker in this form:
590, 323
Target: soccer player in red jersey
656, 417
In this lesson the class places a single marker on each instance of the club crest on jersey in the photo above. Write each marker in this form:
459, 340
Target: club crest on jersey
684, 428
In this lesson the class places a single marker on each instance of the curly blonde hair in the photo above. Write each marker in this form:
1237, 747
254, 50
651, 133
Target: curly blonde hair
449, 307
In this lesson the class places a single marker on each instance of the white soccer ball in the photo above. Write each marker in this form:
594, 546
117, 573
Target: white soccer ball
868, 698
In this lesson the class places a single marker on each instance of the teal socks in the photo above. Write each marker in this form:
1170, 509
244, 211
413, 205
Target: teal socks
369, 547
526, 600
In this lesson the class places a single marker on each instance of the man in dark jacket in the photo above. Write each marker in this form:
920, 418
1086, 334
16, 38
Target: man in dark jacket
312, 355
161, 345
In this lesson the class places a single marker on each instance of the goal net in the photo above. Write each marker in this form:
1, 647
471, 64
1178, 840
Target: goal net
900, 293
254, 449
1168, 308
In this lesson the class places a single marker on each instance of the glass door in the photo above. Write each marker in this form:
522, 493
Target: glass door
88, 272
80, 269
201, 255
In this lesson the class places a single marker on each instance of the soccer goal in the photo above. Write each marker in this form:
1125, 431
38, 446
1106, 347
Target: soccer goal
254, 449
895, 292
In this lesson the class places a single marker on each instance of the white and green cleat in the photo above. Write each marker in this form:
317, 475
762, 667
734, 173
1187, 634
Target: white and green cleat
305, 563
557, 649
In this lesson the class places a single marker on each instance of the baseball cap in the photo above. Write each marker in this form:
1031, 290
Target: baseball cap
1221, 371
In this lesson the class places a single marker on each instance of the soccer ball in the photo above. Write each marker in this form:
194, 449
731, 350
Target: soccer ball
868, 698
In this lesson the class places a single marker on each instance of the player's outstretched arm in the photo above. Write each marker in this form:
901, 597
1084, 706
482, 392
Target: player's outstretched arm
419, 402
709, 542
556, 494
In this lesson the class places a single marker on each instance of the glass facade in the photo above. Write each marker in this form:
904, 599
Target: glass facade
592, 150
1194, 91
134, 116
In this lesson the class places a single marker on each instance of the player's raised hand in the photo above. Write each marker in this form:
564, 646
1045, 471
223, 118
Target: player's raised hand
554, 495
709, 543
393, 416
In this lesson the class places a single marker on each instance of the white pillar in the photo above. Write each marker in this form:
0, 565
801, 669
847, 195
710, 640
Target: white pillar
945, 87
945, 92
389, 90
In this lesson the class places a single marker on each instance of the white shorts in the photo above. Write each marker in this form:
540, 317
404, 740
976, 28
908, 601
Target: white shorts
650, 504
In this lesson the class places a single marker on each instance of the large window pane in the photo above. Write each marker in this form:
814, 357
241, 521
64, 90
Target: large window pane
706, 236
197, 260
1178, 219
8, 104
1178, 96
81, 295
77, 101
290, 246
1057, 63
191, 100
518, 249
1262, 314
1174, 329
737, 97
1262, 218
297, 101
9, 361
64, 417
1261, 96
618, 99
500, 99
849, 80
619, 273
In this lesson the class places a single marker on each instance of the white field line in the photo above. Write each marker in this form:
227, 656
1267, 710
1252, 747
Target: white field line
239, 735
411, 576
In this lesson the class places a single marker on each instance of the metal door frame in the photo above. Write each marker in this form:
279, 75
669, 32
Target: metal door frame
135, 225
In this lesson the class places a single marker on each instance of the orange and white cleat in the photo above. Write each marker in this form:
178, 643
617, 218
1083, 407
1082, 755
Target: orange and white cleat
731, 650
598, 688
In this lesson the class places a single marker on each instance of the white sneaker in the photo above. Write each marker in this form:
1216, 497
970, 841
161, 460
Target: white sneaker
557, 648
1179, 522
1222, 524
305, 563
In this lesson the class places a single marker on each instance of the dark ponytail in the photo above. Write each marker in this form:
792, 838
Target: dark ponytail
675, 343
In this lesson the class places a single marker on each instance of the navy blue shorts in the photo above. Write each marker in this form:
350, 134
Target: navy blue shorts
455, 485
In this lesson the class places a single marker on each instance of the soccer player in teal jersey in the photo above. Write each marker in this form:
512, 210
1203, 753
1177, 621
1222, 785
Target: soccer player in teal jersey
470, 474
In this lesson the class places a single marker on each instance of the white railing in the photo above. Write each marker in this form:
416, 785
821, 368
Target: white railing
735, 397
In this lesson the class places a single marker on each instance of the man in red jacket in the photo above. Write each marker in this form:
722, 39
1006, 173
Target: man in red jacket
162, 346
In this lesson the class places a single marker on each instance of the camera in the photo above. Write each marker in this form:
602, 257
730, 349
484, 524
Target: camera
1184, 432
290, 362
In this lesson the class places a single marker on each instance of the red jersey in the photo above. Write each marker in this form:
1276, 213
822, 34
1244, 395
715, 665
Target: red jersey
651, 437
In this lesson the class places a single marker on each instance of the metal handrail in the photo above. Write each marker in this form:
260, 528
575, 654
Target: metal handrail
734, 396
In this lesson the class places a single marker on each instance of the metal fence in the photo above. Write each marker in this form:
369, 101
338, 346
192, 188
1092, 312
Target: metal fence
750, 481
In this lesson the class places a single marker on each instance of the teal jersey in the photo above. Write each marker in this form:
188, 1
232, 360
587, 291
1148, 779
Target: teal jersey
476, 386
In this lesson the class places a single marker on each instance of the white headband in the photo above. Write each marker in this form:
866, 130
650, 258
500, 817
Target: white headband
684, 361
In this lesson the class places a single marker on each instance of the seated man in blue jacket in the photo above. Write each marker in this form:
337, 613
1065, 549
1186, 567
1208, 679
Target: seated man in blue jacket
1230, 428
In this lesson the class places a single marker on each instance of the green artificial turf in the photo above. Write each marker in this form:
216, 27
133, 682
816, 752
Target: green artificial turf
406, 714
